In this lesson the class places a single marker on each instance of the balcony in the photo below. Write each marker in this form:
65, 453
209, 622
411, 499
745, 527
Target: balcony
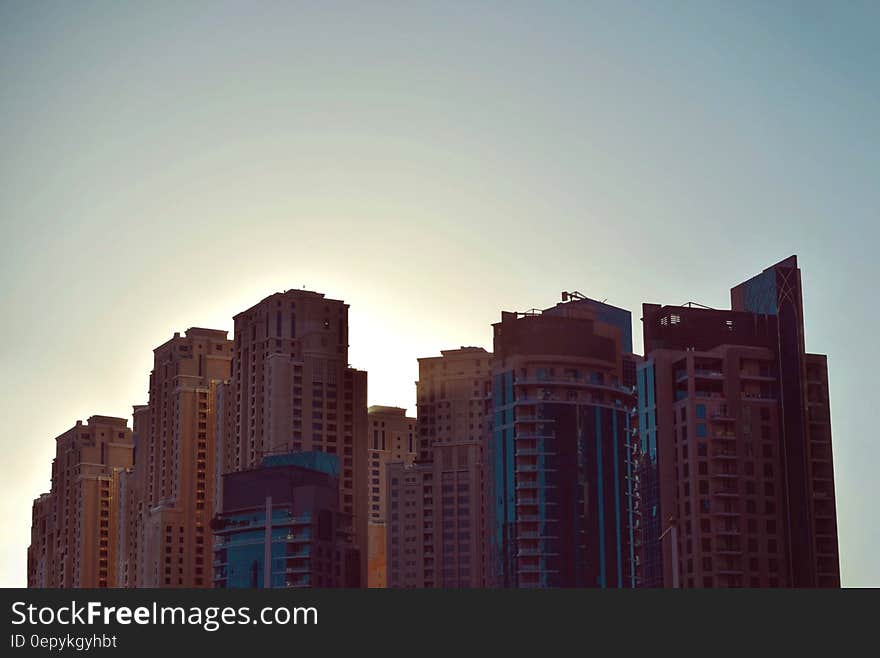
727, 532
725, 493
531, 534
533, 568
757, 376
759, 397
581, 382
724, 474
529, 552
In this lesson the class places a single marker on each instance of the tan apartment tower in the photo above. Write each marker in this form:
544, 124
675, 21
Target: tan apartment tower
436, 527
128, 489
392, 438
174, 463
292, 390
73, 536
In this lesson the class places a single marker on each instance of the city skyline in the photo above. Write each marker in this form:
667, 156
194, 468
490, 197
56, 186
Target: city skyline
298, 341
166, 167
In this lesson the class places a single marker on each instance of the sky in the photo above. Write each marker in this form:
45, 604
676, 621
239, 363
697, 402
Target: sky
167, 165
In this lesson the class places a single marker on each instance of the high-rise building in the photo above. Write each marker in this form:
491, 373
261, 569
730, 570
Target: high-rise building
281, 526
174, 463
436, 528
563, 498
411, 561
292, 390
392, 437
74, 533
128, 489
737, 475
452, 396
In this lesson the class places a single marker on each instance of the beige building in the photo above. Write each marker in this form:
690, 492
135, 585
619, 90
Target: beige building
168, 497
128, 487
436, 519
392, 438
292, 390
73, 536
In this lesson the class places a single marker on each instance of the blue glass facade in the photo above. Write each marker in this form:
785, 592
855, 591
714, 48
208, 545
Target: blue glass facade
759, 293
315, 460
562, 485
241, 550
651, 526
287, 511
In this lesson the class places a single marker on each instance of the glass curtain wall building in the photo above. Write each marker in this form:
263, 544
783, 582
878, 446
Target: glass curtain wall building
281, 527
563, 488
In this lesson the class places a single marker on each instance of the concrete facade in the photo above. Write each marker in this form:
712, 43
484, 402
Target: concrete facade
292, 390
392, 438
74, 537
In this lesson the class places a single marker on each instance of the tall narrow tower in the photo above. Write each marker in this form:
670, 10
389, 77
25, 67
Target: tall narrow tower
292, 390
174, 464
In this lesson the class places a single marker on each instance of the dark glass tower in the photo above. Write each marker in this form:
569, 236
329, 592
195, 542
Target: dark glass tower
281, 526
563, 500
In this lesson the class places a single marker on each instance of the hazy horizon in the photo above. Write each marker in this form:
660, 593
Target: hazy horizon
431, 164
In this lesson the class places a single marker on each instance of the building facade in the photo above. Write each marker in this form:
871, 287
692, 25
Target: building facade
392, 436
436, 530
128, 489
281, 526
169, 494
292, 390
74, 537
411, 561
736, 471
564, 504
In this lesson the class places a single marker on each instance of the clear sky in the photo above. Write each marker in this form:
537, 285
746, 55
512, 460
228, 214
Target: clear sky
166, 165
